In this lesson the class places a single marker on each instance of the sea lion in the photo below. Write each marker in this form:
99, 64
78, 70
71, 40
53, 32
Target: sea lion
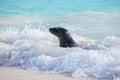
65, 39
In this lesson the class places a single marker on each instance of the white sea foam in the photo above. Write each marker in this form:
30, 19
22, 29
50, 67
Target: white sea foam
38, 49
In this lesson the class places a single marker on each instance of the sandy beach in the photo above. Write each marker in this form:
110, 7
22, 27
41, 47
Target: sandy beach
13, 73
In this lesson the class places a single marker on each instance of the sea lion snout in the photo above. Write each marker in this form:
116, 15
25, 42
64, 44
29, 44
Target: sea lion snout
52, 30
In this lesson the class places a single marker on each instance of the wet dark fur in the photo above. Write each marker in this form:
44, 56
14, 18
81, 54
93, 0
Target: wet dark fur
65, 38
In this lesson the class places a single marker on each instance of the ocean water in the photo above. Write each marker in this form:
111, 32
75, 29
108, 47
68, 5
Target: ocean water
25, 40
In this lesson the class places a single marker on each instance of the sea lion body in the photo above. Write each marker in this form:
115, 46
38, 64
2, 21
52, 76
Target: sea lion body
65, 39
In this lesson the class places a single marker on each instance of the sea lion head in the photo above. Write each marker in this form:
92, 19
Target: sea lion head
58, 31
64, 37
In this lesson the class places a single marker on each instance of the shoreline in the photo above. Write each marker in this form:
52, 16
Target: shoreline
14, 73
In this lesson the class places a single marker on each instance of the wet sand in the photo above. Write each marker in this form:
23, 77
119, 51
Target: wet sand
13, 73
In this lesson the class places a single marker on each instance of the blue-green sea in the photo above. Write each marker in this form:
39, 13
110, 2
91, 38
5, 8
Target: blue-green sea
25, 40
54, 7
100, 17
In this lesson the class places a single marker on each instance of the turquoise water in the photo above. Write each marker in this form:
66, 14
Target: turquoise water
55, 7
